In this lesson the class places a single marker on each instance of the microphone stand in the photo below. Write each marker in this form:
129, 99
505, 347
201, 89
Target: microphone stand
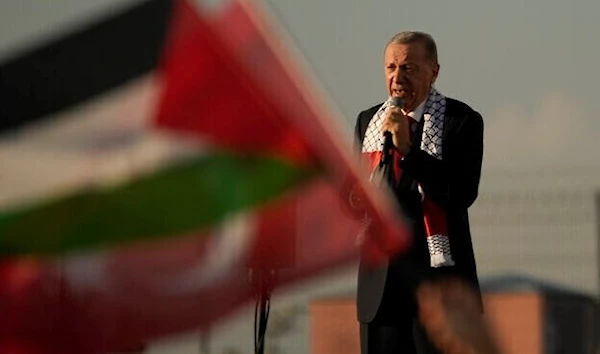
263, 281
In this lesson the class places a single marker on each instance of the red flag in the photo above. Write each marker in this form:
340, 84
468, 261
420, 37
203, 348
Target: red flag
232, 86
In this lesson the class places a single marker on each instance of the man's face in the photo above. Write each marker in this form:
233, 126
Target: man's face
409, 73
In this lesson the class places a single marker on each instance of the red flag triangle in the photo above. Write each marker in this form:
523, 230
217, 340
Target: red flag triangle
207, 93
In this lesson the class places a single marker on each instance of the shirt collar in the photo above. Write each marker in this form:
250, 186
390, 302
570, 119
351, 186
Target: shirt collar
417, 113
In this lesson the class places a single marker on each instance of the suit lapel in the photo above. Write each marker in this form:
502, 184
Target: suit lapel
451, 123
365, 119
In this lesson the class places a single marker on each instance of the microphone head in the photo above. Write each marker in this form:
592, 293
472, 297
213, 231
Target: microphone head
397, 102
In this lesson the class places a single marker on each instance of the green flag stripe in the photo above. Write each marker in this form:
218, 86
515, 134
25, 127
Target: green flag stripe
178, 200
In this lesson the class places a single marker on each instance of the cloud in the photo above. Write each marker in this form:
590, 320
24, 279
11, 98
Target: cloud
554, 131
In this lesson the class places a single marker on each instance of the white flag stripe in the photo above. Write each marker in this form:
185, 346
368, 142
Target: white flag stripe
226, 248
105, 141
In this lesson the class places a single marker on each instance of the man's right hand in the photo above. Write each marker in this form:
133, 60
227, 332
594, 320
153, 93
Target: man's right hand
397, 123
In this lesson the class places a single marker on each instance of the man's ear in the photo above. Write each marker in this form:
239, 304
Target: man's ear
436, 71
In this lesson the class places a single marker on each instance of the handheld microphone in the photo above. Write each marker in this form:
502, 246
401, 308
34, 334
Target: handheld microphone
397, 102
388, 142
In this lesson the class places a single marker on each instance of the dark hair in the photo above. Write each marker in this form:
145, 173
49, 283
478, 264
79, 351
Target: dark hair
409, 37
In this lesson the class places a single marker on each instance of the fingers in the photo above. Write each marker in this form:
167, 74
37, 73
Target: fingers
393, 115
388, 127
432, 314
396, 123
447, 296
448, 312
392, 124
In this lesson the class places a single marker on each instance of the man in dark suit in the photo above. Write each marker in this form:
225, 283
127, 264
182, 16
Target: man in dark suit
434, 172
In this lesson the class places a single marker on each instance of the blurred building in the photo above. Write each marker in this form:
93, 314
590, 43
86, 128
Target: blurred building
527, 317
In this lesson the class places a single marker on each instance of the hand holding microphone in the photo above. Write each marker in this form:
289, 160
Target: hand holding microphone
396, 129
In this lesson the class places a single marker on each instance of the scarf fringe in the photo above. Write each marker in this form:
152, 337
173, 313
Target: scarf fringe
439, 251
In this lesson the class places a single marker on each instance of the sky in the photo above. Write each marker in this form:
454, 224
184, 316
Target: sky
529, 67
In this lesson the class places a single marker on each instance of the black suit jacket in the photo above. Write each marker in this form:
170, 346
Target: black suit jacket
386, 294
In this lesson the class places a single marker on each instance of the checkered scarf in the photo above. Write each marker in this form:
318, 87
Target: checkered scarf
436, 225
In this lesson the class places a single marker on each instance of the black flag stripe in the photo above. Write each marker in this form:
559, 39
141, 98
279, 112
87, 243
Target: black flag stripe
82, 65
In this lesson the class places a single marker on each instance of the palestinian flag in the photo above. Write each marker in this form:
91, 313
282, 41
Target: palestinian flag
149, 160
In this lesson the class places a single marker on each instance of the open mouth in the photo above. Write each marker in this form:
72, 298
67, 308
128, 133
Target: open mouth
398, 93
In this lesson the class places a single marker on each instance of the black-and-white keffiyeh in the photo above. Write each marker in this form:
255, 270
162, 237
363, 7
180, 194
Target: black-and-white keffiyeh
435, 220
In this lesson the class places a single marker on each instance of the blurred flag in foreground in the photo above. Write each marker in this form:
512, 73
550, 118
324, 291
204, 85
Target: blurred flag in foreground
148, 161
